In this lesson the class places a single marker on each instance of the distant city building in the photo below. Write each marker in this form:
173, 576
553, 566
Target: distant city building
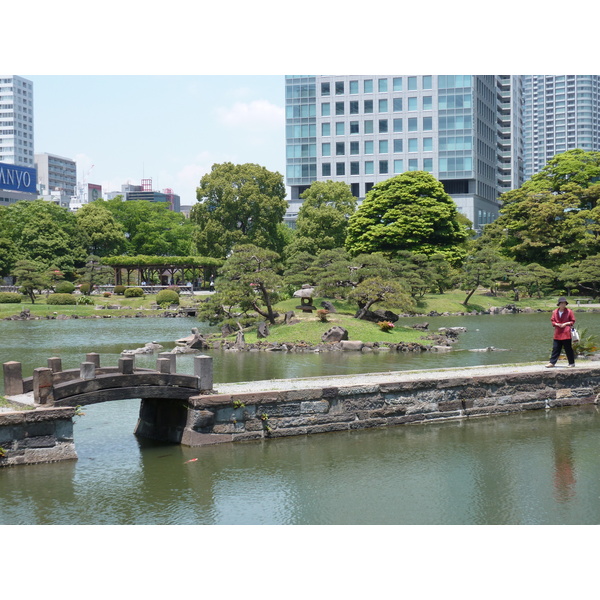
561, 112
56, 173
16, 121
86, 193
17, 183
145, 192
363, 129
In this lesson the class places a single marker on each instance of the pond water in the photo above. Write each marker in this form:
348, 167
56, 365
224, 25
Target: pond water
535, 468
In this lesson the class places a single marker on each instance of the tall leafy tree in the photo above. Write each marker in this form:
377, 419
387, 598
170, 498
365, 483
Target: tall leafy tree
411, 212
239, 204
323, 217
101, 234
32, 276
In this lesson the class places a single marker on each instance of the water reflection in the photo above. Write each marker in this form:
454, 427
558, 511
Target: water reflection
564, 465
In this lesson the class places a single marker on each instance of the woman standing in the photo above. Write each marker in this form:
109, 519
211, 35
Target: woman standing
562, 320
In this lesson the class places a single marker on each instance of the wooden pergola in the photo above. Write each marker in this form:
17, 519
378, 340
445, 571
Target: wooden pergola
166, 270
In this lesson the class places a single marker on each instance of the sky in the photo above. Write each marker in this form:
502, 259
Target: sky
171, 129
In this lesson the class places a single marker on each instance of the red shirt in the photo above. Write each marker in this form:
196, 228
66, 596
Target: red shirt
562, 333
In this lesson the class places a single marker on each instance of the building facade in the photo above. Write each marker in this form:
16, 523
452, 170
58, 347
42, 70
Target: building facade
56, 173
365, 129
560, 114
16, 121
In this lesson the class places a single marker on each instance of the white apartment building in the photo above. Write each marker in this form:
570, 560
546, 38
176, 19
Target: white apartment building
56, 174
16, 121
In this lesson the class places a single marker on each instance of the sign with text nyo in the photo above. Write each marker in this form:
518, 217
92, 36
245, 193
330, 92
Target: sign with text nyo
17, 178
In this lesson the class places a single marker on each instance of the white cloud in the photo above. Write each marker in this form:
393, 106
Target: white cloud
256, 115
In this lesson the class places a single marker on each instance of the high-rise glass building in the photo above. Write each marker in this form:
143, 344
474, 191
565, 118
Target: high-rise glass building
16, 121
560, 113
362, 129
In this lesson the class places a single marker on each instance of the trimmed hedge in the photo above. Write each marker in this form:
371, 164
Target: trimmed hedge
167, 297
61, 299
10, 298
85, 288
119, 290
134, 292
64, 287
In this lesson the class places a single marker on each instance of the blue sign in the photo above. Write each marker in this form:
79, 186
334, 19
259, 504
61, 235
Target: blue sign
18, 179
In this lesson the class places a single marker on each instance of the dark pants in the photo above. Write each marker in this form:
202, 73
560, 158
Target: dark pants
557, 346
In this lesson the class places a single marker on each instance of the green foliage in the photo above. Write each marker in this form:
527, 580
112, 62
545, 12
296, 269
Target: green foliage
119, 290
64, 287
101, 234
238, 205
584, 274
587, 344
411, 212
10, 298
142, 260
31, 276
85, 288
83, 300
134, 292
377, 290
61, 299
167, 297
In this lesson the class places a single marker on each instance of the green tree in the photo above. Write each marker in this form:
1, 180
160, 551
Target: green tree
101, 234
151, 228
584, 274
239, 204
411, 212
477, 270
32, 276
376, 290
249, 280
323, 217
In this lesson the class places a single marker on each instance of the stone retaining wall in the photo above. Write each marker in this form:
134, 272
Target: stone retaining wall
217, 418
37, 436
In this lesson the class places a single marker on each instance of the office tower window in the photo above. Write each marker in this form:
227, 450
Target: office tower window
368, 186
397, 84
369, 169
383, 147
383, 125
382, 85
428, 164
413, 124
383, 105
354, 168
397, 104
399, 166
397, 146
325, 109
326, 149
354, 107
427, 123
413, 145
355, 189
412, 104
339, 128
397, 125
354, 127
383, 167
412, 84
340, 168
368, 106
427, 103
326, 169
369, 147
325, 89
368, 126
354, 87
339, 108
354, 148
340, 148
368, 86
427, 144
427, 82
339, 88
413, 164
325, 129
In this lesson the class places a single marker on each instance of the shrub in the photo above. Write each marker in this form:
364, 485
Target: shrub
10, 298
119, 290
106, 295
174, 288
385, 325
134, 292
322, 315
61, 299
64, 287
167, 297
84, 300
84, 288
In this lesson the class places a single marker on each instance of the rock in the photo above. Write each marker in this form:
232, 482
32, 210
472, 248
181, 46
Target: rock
379, 315
289, 318
240, 342
351, 345
149, 348
328, 306
198, 342
307, 291
441, 348
335, 334
489, 349
227, 330
420, 326
262, 330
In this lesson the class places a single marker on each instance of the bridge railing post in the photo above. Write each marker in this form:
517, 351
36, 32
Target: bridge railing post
203, 369
42, 386
87, 370
163, 365
173, 360
13, 378
126, 365
93, 357
55, 363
